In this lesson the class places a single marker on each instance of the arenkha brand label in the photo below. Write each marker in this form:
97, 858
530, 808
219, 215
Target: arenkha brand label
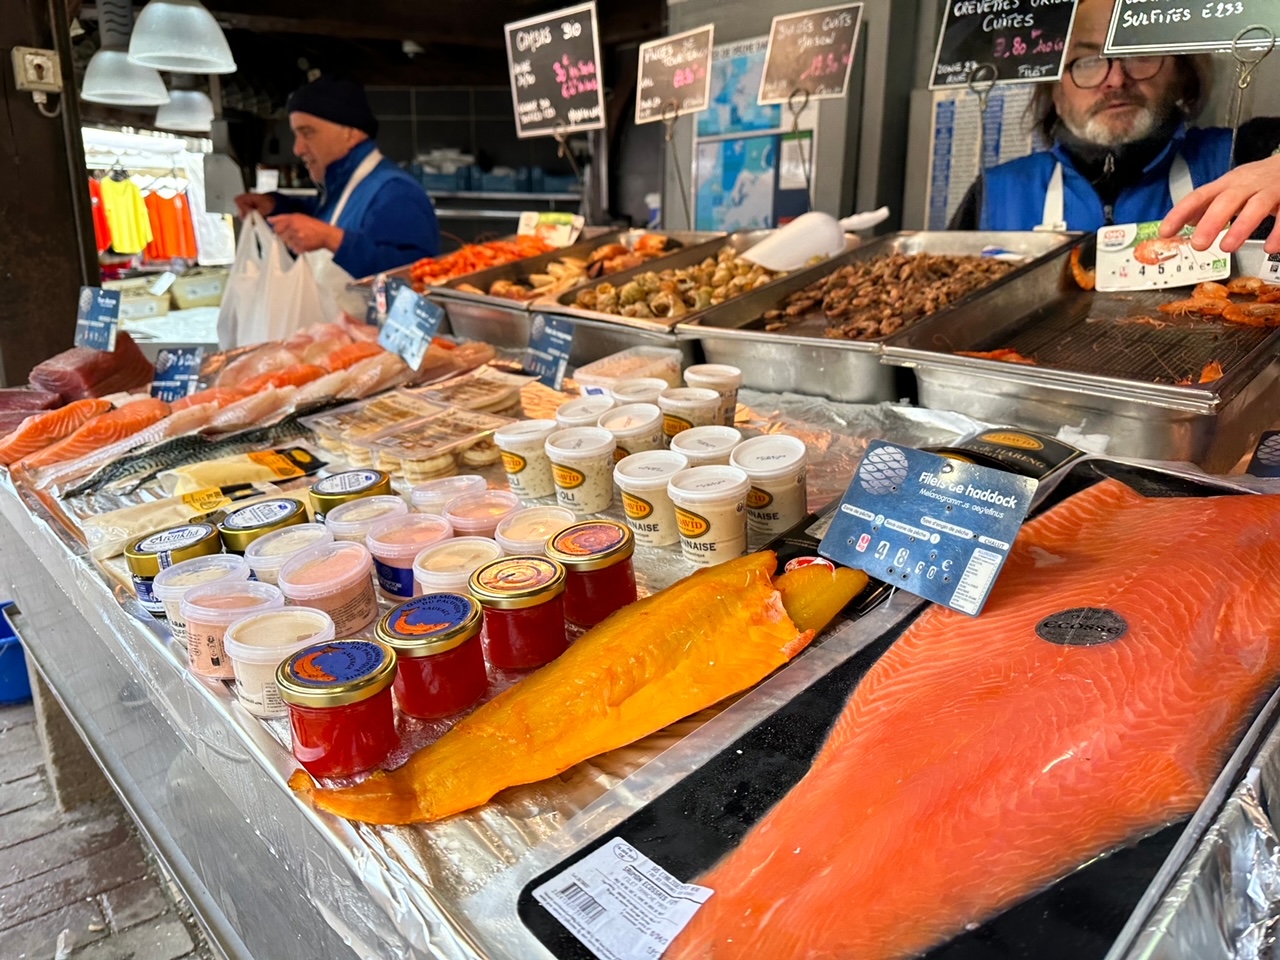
1082, 627
758, 499
691, 525
1019, 440
512, 462
567, 478
635, 507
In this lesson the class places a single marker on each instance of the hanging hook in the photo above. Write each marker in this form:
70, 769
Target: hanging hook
563, 151
1245, 66
981, 81
797, 103
670, 114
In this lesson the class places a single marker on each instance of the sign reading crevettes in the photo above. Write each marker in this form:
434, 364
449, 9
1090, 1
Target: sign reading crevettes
1026, 40
555, 72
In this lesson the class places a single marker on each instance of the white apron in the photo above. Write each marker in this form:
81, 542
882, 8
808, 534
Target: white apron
331, 279
1053, 217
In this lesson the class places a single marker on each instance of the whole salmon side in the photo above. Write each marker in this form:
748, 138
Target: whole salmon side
1123, 651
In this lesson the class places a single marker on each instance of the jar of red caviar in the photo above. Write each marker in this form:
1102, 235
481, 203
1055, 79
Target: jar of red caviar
599, 577
440, 658
340, 709
523, 600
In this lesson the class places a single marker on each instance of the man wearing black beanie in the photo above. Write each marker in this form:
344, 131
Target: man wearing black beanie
370, 215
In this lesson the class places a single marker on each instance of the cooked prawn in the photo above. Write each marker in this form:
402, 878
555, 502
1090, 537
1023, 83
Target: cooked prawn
1209, 290
1269, 295
1253, 314
1212, 371
1210, 307
1245, 285
1084, 277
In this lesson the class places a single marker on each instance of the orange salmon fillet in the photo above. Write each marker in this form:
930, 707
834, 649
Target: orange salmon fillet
40, 430
221, 396
294, 376
100, 431
977, 763
351, 354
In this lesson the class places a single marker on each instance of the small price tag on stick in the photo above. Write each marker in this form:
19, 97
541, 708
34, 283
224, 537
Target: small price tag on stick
412, 320
550, 346
98, 319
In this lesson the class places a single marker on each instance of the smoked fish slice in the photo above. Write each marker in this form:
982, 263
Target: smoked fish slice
42, 429
101, 431
977, 761
652, 663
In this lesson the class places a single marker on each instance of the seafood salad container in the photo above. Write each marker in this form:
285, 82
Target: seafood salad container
1104, 364
799, 356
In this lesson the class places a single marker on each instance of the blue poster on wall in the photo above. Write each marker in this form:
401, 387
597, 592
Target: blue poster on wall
736, 69
735, 185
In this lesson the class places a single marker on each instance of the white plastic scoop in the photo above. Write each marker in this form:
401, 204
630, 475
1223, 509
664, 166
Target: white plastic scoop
793, 246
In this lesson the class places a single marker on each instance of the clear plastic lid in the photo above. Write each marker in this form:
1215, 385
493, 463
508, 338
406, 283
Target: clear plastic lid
226, 601
325, 570
431, 497
448, 566
269, 637
480, 513
352, 520
270, 552
172, 583
527, 531
398, 540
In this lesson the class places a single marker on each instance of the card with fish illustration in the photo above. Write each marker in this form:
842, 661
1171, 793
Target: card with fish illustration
177, 373
1133, 256
930, 525
97, 318
412, 320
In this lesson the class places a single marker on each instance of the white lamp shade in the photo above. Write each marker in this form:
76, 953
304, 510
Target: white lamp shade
111, 78
187, 110
179, 36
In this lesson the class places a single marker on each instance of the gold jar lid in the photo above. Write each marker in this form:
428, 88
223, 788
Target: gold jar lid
242, 526
592, 545
150, 554
514, 583
430, 624
340, 488
336, 673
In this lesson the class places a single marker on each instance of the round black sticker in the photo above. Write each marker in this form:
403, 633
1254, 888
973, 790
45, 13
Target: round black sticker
1082, 627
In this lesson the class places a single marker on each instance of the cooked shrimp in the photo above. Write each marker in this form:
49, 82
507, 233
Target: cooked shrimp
1209, 290
1246, 285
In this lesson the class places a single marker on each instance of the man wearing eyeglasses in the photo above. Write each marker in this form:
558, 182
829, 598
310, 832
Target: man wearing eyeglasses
1122, 148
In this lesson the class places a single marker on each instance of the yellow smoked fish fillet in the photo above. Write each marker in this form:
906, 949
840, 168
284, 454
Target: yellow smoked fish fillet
649, 665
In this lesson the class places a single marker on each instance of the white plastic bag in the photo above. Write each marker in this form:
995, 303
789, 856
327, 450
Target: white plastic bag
270, 295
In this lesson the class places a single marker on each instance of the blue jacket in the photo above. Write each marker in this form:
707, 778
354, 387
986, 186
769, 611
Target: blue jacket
1014, 192
388, 221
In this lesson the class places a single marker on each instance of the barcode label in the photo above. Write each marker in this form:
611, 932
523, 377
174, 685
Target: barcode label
620, 904
976, 581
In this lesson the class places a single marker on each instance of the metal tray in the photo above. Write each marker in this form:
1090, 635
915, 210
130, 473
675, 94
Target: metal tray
1096, 389
802, 359
506, 323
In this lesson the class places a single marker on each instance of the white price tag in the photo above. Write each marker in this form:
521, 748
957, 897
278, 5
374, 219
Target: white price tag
621, 904
162, 284
558, 229
1133, 256
1270, 270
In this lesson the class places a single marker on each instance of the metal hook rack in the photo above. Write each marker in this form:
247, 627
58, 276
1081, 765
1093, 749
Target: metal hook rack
803, 101
670, 114
1245, 66
563, 151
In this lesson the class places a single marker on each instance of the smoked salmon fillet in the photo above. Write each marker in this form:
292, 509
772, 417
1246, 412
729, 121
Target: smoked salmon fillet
38, 431
101, 431
1096, 698
652, 663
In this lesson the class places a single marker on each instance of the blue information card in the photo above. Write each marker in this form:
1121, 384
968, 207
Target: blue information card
98, 318
936, 527
412, 320
1266, 456
177, 373
550, 345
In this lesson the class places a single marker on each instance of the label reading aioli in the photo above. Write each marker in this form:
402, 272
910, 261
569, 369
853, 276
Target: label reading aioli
567, 478
692, 526
636, 508
513, 463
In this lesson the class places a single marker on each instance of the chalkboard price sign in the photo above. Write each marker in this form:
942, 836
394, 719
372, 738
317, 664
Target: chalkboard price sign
1189, 26
810, 51
1026, 40
675, 68
555, 72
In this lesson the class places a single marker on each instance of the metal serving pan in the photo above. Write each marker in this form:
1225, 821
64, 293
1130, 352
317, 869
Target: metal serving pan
802, 359
506, 323
1097, 383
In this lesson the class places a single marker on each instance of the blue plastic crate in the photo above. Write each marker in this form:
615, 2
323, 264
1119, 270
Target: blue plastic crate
440, 182
498, 182
552, 183
15, 686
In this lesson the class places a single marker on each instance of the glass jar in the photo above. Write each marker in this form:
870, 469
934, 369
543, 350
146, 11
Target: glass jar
150, 554
441, 659
523, 600
599, 576
340, 709
340, 488
241, 527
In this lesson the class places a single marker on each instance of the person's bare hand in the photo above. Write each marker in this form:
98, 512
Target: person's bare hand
1250, 193
261, 203
302, 234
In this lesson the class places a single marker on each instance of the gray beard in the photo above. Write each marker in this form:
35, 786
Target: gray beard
1096, 131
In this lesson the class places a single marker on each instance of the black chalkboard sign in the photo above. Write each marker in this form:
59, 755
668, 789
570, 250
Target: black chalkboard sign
810, 51
675, 68
1189, 26
1026, 40
555, 72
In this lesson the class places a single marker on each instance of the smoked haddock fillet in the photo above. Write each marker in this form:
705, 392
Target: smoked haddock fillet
649, 665
1095, 699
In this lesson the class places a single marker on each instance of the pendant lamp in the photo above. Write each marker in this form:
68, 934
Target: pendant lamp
110, 77
189, 111
180, 36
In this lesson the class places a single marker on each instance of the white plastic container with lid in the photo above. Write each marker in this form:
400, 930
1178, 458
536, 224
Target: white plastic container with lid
267, 555
643, 479
447, 567
525, 533
723, 379
639, 390
336, 578
636, 427
707, 446
777, 465
711, 512
351, 521
395, 542
212, 607
172, 583
686, 407
260, 642
478, 514
583, 412
601, 375
582, 466
524, 457
430, 497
